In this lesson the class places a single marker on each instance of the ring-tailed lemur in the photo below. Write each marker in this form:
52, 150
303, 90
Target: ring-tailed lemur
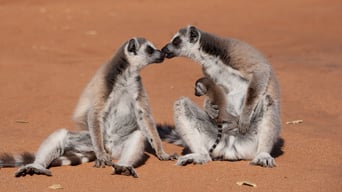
114, 111
251, 82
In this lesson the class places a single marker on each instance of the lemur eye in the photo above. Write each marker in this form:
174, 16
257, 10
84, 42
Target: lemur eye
149, 50
176, 41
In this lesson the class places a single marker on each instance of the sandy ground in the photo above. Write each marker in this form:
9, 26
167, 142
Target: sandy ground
50, 49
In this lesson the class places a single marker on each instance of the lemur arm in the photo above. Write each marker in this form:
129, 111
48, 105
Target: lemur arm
96, 130
257, 87
147, 125
211, 109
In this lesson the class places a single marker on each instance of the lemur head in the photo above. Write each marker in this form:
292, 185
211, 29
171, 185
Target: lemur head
141, 52
202, 86
183, 43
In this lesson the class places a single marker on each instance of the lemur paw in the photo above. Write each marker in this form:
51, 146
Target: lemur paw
124, 170
103, 160
192, 158
184, 161
32, 169
243, 126
212, 110
228, 125
165, 157
264, 159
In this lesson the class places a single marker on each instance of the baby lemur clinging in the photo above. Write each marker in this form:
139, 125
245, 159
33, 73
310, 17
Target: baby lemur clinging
216, 96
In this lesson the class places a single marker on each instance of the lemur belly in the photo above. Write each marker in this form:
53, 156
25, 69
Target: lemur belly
231, 79
119, 119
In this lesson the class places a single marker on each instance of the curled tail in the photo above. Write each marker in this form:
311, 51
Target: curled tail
68, 158
167, 133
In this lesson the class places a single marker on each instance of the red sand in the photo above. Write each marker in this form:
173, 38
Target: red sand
50, 49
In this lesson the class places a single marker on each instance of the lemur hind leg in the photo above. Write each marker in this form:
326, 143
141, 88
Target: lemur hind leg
268, 133
53, 147
196, 129
131, 154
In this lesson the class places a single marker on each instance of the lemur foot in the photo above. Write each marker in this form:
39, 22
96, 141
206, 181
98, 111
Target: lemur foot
243, 126
164, 156
193, 158
229, 127
264, 159
103, 160
124, 170
32, 169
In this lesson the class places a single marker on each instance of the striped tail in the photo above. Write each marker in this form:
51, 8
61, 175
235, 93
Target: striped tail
218, 138
73, 158
68, 158
8, 160
167, 133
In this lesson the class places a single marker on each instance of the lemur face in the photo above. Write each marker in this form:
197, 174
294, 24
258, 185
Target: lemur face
201, 87
184, 43
140, 52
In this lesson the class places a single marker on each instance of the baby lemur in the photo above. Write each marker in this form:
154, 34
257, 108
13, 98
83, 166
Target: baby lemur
115, 115
216, 96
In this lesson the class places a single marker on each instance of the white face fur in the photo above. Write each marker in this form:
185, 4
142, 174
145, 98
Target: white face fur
184, 43
189, 42
140, 52
200, 89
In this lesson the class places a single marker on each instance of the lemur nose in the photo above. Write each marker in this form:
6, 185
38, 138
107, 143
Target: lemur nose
167, 53
165, 50
161, 57
162, 54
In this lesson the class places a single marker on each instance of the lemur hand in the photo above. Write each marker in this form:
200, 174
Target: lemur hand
211, 110
103, 160
164, 156
243, 125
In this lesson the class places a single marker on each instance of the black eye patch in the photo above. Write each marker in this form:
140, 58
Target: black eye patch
177, 41
149, 50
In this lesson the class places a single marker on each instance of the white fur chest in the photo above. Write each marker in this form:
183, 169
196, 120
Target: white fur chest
125, 92
228, 77
120, 107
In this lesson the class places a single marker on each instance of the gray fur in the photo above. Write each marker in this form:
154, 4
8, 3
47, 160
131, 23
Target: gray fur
253, 97
113, 113
167, 133
68, 158
216, 96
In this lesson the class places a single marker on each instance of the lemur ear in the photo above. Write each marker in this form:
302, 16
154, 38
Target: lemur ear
132, 46
193, 34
